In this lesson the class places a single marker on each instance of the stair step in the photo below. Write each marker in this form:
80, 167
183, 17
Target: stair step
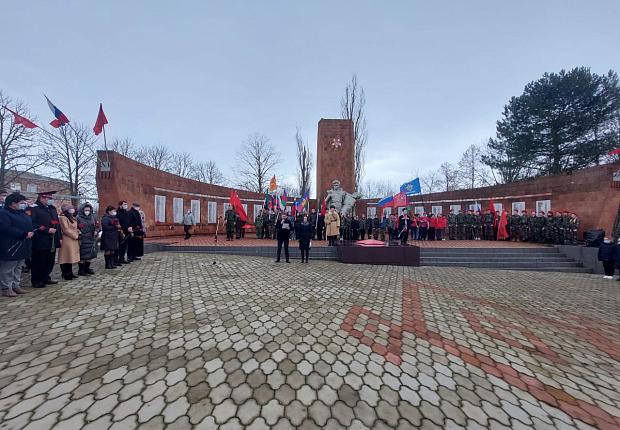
499, 264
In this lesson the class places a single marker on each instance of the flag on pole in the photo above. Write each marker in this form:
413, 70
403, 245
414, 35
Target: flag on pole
101, 121
399, 200
492, 206
61, 118
267, 202
411, 187
324, 208
614, 152
294, 208
272, 184
385, 201
305, 201
235, 202
20, 120
283, 200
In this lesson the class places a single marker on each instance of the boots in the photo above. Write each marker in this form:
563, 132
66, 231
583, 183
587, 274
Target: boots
108, 262
115, 260
65, 270
82, 269
89, 271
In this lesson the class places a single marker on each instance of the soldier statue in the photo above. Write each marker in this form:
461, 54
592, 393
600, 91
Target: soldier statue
340, 199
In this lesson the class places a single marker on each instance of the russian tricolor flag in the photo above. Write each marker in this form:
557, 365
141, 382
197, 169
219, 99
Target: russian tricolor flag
61, 118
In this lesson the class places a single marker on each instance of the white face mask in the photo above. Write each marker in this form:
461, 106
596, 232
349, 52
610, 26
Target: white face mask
50, 202
23, 206
607, 240
113, 213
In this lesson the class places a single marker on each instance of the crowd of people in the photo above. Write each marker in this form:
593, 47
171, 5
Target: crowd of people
558, 228
34, 236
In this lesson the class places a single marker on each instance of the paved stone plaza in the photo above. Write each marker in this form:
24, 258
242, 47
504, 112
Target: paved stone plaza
178, 342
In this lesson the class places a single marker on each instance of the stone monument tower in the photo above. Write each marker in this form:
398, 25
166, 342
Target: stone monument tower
335, 156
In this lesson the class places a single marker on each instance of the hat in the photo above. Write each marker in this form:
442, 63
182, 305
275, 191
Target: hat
13, 198
135, 204
46, 193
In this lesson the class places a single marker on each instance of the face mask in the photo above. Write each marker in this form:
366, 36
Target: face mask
86, 213
50, 201
71, 211
113, 213
607, 241
124, 207
23, 206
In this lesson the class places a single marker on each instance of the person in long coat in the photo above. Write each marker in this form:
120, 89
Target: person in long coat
46, 240
110, 228
305, 232
332, 223
15, 243
88, 239
69, 252
136, 240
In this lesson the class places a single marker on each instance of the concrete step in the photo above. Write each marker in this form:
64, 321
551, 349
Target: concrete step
501, 264
516, 258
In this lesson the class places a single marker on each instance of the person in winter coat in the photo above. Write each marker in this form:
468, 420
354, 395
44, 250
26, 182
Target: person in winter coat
15, 243
136, 240
607, 255
283, 233
123, 219
88, 239
110, 228
188, 223
332, 223
304, 236
69, 252
423, 223
47, 238
402, 229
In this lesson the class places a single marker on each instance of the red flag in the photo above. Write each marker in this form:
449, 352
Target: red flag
491, 206
20, 120
400, 199
294, 209
324, 208
236, 204
101, 121
615, 152
502, 233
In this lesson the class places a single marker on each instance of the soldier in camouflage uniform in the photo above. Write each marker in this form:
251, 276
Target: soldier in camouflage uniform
524, 227
573, 227
230, 217
514, 221
258, 222
548, 228
537, 225
460, 226
452, 226
477, 229
487, 222
271, 225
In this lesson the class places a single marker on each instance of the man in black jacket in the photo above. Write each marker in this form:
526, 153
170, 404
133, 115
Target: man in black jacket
123, 219
135, 250
283, 233
47, 238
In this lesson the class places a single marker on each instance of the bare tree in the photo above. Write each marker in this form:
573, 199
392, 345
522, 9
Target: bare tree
353, 106
377, 189
124, 146
71, 157
449, 177
304, 164
471, 170
181, 163
207, 171
255, 163
431, 182
157, 156
17, 151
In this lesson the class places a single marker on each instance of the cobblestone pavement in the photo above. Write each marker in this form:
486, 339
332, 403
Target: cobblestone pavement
178, 342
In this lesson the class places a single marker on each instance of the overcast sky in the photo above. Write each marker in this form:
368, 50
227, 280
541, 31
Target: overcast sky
200, 76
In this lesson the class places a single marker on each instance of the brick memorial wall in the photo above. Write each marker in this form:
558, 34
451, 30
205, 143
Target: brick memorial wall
591, 193
335, 157
132, 181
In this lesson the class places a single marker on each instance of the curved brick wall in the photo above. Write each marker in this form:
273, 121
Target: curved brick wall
591, 193
135, 182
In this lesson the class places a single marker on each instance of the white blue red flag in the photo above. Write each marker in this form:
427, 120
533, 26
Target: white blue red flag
61, 118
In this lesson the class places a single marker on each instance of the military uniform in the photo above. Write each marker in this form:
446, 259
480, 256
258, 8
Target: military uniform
452, 226
258, 222
477, 229
514, 221
460, 226
230, 218
488, 226
573, 227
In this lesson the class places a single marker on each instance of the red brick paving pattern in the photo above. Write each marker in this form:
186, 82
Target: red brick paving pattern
385, 338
